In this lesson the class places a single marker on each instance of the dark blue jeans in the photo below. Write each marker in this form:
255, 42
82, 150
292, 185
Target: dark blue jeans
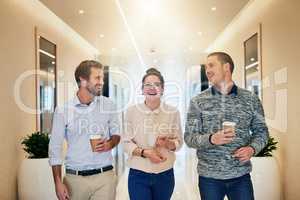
236, 189
147, 186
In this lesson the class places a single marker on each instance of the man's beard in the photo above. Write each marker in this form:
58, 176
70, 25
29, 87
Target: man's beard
94, 91
97, 93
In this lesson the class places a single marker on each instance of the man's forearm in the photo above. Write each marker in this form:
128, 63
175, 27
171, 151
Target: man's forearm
197, 141
114, 140
56, 171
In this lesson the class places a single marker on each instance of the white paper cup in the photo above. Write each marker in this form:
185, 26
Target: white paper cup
94, 140
229, 125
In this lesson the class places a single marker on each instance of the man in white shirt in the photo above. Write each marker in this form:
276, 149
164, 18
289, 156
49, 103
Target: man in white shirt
89, 173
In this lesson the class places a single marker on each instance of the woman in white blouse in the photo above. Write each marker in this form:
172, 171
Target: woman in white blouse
152, 135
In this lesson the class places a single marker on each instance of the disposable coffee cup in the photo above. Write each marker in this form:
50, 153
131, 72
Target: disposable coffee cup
94, 140
229, 125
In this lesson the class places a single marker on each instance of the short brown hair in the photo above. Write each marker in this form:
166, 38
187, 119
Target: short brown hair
154, 72
224, 58
84, 69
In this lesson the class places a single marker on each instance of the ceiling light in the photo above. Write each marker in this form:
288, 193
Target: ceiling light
53, 63
191, 48
200, 33
101, 35
252, 59
113, 49
214, 8
155, 61
81, 12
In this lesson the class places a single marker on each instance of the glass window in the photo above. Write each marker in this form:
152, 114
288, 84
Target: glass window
46, 83
252, 65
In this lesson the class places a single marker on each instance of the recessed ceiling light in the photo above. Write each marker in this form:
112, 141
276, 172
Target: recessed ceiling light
252, 59
81, 12
200, 33
113, 49
214, 8
53, 63
191, 48
101, 35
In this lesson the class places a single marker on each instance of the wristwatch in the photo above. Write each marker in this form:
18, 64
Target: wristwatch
142, 153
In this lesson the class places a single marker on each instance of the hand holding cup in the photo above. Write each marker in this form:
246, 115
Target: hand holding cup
224, 136
99, 143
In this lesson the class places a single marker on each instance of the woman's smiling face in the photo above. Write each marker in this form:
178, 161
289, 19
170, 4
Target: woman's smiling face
152, 87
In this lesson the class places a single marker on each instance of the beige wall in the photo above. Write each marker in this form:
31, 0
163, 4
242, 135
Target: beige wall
17, 55
280, 54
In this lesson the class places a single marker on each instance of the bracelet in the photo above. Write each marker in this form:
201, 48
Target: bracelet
209, 139
142, 153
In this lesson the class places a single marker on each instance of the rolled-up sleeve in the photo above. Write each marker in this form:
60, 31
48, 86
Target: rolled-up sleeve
128, 134
194, 137
258, 127
57, 138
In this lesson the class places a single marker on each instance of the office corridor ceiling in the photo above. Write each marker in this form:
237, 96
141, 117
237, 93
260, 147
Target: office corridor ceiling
147, 26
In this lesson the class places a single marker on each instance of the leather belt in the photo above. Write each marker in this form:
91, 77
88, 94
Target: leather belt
89, 172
